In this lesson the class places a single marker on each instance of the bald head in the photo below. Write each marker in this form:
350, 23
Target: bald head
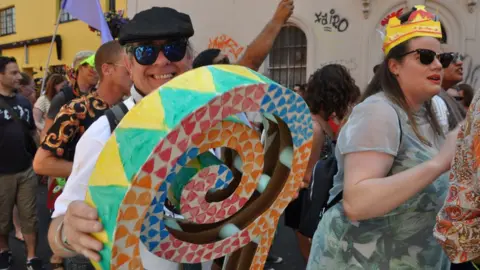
109, 53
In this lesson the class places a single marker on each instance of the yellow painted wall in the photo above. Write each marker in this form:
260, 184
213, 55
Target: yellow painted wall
37, 18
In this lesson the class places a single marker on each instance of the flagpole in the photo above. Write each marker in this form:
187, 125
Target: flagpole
51, 49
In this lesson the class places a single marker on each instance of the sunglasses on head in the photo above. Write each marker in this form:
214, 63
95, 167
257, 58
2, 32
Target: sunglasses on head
147, 54
428, 56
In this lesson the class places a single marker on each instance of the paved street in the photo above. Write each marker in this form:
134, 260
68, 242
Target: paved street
285, 244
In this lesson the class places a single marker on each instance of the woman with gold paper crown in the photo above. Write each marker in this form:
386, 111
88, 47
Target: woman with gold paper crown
392, 158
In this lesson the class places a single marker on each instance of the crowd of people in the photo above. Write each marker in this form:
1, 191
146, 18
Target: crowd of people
393, 143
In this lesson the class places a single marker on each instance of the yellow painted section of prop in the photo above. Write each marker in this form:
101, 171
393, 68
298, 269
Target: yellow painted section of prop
102, 236
240, 71
110, 160
155, 119
199, 81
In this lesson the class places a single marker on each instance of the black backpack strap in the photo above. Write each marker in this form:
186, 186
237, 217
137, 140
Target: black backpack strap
399, 121
111, 120
115, 115
400, 127
335, 200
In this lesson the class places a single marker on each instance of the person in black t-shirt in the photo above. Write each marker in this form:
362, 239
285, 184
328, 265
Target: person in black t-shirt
17, 177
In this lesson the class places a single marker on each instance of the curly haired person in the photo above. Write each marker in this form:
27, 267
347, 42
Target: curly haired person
331, 91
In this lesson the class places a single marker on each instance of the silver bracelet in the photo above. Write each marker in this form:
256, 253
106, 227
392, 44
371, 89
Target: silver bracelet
63, 244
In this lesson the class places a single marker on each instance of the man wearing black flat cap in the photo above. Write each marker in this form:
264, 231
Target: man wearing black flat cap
153, 31
158, 50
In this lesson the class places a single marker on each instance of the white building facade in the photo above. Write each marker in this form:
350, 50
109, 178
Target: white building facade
321, 32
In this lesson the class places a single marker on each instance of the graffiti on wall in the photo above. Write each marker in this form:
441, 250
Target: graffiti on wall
471, 72
350, 64
228, 46
331, 20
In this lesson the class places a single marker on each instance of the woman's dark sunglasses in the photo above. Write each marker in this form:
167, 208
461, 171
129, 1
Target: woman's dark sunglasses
428, 56
147, 54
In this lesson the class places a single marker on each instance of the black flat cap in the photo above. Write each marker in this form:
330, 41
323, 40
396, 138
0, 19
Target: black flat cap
155, 24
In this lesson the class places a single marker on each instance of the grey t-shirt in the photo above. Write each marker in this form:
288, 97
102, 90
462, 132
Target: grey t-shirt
374, 126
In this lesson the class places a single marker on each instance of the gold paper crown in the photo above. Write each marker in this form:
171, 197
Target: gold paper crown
421, 23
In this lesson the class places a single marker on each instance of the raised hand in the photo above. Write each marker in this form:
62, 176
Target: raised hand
284, 11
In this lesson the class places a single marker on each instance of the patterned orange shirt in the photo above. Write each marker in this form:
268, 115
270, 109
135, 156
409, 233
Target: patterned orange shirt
70, 124
458, 222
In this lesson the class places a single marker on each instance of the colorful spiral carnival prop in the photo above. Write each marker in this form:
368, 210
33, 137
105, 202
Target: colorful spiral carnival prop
159, 157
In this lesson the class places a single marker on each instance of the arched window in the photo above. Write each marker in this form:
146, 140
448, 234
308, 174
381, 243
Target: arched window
288, 58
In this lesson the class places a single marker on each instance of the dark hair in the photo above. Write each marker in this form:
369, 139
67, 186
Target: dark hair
108, 53
468, 93
26, 79
375, 68
385, 81
4, 61
54, 80
331, 89
206, 58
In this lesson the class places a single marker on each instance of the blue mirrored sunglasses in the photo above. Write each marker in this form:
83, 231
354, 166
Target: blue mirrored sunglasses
147, 54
